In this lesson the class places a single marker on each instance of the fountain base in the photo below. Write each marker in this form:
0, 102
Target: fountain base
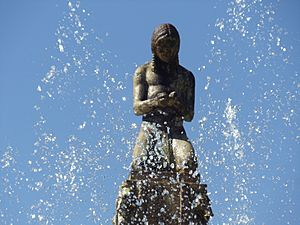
164, 198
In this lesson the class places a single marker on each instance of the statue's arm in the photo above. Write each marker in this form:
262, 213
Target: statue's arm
141, 105
189, 109
185, 104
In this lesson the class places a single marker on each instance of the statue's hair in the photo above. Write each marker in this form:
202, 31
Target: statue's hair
162, 31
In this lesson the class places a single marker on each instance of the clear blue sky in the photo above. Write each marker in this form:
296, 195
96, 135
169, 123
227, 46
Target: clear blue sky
66, 121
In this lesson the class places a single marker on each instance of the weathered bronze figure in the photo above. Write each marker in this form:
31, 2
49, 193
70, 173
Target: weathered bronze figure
163, 186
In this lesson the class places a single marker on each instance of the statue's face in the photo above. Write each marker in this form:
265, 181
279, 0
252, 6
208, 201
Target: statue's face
167, 49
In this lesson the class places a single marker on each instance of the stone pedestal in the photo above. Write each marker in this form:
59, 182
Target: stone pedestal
164, 198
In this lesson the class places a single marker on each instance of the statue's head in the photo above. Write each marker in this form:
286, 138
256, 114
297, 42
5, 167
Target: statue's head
165, 43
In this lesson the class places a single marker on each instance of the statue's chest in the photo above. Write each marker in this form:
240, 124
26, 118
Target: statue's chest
154, 79
172, 82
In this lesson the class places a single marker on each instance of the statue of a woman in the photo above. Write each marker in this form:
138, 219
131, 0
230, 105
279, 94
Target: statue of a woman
164, 96
163, 186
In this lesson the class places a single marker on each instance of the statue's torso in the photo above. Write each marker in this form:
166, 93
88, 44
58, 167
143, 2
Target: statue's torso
158, 83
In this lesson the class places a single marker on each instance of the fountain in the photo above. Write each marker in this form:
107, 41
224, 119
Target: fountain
244, 131
163, 186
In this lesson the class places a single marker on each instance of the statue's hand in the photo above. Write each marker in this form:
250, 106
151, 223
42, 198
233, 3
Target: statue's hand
162, 100
173, 94
173, 100
161, 95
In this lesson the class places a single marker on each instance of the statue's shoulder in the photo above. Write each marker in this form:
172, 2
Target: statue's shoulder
140, 73
187, 74
141, 70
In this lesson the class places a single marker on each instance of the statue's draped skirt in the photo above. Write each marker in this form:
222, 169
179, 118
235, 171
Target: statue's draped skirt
163, 147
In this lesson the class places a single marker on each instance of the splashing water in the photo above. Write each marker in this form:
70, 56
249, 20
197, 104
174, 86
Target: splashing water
72, 162
238, 142
73, 157
12, 180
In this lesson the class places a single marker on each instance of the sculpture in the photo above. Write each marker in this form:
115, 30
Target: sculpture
163, 186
